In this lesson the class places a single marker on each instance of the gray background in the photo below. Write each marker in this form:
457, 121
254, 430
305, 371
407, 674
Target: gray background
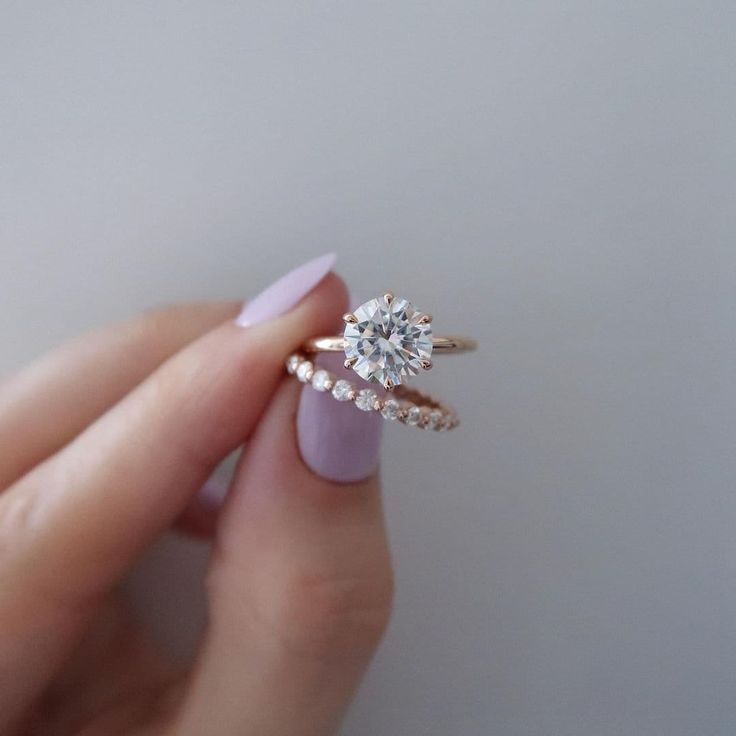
557, 178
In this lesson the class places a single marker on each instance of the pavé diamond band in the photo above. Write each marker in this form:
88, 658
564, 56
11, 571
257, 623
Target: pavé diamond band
407, 405
387, 340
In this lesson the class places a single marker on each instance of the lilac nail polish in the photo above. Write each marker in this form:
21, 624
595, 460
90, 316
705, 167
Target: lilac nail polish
285, 293
337, 441
213, 492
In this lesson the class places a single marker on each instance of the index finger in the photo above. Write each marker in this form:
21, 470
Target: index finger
74, 525
48, 403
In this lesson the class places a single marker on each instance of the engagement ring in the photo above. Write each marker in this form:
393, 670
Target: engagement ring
386, 340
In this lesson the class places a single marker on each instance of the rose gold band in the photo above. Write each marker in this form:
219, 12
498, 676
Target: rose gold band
405, 405
336, 344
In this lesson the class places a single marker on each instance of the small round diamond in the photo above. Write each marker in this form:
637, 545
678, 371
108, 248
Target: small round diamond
390, 340
343, 390
435, 419
292, 364
304, 371
322, 380
391, 409
366, 399
413, 415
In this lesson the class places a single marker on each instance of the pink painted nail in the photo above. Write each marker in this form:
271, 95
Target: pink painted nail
336, 440
285, 293
213, 492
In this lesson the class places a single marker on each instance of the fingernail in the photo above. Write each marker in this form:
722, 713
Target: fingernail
213, 492
285, 293
337, 440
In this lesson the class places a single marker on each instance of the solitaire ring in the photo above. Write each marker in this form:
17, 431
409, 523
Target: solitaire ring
387, 340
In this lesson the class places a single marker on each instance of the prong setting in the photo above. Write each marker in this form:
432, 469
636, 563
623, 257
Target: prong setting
349, 318
388, 341
426, 365
350, 362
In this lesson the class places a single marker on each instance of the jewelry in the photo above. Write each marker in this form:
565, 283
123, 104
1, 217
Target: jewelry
407, 405
387, 340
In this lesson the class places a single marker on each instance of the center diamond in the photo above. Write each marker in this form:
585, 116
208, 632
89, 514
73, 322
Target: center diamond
389, 340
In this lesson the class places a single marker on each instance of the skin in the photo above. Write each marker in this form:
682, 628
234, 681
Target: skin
104, 444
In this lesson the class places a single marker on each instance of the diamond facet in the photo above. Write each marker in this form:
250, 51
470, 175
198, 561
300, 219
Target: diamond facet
366, 399
322, 380
343, 390
413, 415
435, 418
391, 409
388, 341
304, 371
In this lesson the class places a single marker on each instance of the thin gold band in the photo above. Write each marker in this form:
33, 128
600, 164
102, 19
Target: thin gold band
336, 344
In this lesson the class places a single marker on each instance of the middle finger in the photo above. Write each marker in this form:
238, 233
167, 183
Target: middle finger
51, 401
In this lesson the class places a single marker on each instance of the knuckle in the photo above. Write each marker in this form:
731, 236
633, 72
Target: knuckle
37, 590
316, 615
16, 512
326, 616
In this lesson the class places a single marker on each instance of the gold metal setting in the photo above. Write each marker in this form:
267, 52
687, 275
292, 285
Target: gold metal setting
443, 345
396, 401
404, 405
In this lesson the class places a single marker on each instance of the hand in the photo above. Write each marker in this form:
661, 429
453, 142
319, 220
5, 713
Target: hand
103, 445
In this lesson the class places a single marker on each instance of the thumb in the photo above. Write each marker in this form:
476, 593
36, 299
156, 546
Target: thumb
300, 586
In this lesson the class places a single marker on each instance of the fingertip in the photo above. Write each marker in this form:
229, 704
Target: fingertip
286, 292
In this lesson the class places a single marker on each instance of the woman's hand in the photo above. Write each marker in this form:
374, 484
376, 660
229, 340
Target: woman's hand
104, 444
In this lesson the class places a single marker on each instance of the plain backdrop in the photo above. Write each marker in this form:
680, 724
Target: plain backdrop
557, 178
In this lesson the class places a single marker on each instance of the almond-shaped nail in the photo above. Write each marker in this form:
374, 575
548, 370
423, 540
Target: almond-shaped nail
286, 292
337, 440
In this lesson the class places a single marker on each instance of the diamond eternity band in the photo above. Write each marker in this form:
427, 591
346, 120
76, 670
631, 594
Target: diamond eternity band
407, 405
